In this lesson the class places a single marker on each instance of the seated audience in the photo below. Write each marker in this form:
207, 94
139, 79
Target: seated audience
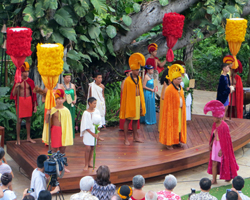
86, 185
205, 185
103, 189
116, 197
138, 183
44, 195
233, 195
38, 179
238, 184
125, 192
6, 184
170, 182
150, 195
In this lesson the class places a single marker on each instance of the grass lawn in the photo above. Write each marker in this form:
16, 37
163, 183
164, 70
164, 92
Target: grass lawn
219, 191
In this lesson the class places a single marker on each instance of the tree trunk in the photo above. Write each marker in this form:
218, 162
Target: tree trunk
188, 59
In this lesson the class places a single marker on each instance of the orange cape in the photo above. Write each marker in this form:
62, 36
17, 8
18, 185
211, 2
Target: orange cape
128, 107
169, 132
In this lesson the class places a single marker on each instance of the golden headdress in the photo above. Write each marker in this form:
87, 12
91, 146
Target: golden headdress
175, 71
228, 59
136, 60
25, 67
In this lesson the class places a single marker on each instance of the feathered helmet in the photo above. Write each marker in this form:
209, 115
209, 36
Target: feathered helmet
25, 67
175, 71
217, 108
228, 59
125, 192
152, 47
136, 60
59, 93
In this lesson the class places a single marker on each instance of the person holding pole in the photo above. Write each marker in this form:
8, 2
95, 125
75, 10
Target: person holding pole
25, 101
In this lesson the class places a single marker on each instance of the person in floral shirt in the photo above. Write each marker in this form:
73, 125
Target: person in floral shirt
170, 182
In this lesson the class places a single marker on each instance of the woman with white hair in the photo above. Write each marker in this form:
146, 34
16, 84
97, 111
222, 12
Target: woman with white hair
170, 182
138, 182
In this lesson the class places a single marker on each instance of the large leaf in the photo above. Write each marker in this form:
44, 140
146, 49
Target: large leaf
84, 38
75, 65
58, 38
127, 20
85, 56
8, 115
63, 18
211, 10
39, 9
65, 66
46, 4
53, 4
80, 11
94, 31
3, 91
136, 7
17, 1
110, 47
72, 54
99, 5
99, 50
129, 10
241, 2
216, 19
68, 33
210, 2
230, 11
199, 34
163, 2
111, 31
29, 14
92, 53
4, 106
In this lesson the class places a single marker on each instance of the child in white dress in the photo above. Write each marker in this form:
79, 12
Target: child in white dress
88, 130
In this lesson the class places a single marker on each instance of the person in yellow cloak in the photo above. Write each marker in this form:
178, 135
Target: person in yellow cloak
133, 102
173, 127
61, 125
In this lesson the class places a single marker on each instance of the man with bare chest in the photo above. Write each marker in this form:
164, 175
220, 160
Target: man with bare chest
27, 101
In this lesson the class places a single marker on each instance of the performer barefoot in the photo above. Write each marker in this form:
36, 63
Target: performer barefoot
153, 60
132, 100
122, 121
222, 160
173, 127
27, 101
96, 89
70, 91
61, 124
88, 130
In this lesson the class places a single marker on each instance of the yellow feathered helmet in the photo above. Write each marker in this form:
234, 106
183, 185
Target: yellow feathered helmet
175, 71
136, 60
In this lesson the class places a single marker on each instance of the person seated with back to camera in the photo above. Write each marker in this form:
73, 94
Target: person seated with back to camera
138, 183
38, 179
151, 195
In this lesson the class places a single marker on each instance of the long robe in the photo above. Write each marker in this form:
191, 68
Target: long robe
66, 124
223, 88
169, 132
238, 96
152, 62
185, 84
228, 167
128, 106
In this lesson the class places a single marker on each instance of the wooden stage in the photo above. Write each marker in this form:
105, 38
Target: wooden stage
149, 159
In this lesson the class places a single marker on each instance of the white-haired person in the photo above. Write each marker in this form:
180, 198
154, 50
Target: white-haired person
151, 195
169, 183
86, 186
138, 183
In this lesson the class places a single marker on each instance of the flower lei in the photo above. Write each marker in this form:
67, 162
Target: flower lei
123, 196
236, 30
50, 60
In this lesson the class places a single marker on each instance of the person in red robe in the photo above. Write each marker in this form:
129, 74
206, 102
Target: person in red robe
237, 98
222, 160
121, 124
153, 60
27, 101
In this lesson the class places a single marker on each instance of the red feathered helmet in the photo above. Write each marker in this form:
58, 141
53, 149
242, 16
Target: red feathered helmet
152, 47
59, 93
228, 59
240, 68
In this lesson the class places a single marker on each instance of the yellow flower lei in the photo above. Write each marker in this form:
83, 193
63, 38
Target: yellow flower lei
236, 30
50, 60
122, 196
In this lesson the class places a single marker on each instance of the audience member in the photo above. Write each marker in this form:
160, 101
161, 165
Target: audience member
170, 182
6, 180
232, 195
86, 185
205, 185
238, 184
38, 179
116, 197
150, 195
44, 195
138, 183
103, 189
125, 192
28, 197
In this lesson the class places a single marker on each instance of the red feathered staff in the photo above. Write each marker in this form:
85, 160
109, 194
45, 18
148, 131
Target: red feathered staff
172, 29
18, 47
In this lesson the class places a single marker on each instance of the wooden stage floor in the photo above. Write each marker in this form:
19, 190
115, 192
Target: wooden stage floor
149, 159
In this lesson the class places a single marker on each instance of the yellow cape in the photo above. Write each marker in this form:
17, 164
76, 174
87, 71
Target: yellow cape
128, 106
66, 124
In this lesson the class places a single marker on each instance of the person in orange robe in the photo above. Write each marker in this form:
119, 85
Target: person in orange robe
173, 127
27, 100
121, 124
133, 102
237, 101
153, 60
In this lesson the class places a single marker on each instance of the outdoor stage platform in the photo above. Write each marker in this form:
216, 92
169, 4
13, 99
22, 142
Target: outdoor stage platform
149, 159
